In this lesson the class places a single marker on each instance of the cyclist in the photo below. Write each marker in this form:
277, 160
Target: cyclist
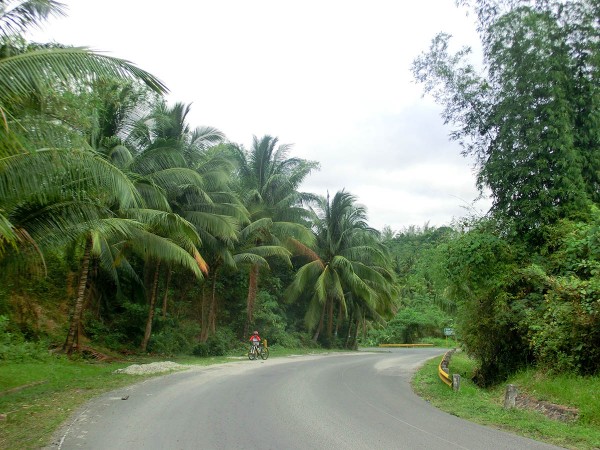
255, 339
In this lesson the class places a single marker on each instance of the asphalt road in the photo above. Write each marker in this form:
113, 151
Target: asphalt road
345, 401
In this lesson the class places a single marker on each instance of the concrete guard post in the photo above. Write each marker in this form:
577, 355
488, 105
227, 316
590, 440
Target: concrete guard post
456, 381
510, 396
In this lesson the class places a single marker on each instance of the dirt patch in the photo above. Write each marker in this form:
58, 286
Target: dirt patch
550, 410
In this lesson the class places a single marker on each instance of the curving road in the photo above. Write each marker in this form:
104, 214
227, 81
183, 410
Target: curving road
345, 401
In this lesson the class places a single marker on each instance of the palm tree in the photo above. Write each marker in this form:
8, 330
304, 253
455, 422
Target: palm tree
194, 175
346, 269
32, 157
270, 179
158, 151
268, 186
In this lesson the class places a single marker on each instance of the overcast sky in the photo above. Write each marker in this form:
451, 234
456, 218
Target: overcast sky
331, 77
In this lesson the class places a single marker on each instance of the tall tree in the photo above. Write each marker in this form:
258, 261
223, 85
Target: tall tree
268, 187
529, 116
347, 269
28, 73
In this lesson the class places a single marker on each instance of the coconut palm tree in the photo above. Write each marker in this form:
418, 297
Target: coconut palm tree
270, 179
194, 174
268, 187
32, 152
347, 268
155, 151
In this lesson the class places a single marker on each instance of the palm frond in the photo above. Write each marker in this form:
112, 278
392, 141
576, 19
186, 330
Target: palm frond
365, 253
18, 16
120, 156
254, 227
313, 313
220, 226
56, 219
249, 259
36, 71
164, 223
304, 281
295, 231
267, 251
152, 195
205, 136
147, 244
175, 179
157, 159
35, 175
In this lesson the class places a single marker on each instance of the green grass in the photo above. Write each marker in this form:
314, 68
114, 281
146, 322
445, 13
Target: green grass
35, 412
448, 342
486, 406
569, 390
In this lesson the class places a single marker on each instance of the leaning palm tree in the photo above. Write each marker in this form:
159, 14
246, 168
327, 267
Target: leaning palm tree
346, 269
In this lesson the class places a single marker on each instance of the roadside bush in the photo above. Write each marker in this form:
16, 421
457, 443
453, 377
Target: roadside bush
221, 343
174, 338
14, 347
290, 340
565, 331
482, 269
102, 334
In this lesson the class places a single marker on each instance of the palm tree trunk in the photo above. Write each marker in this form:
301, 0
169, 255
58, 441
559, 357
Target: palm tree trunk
331, 308
355, 339
148, 331
338, 321
165, 298
250, 302
212, 313
349, 330
72, 342
204, 314
321, 321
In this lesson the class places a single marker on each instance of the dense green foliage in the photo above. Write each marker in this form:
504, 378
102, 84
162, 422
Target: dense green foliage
525, 279
423, 307
154, 235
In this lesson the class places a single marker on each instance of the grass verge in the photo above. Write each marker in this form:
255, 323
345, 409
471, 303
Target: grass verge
36, 397
486, 406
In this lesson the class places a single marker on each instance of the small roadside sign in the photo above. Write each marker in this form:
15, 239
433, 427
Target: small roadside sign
448, 331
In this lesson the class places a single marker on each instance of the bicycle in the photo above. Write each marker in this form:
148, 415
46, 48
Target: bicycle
257, 351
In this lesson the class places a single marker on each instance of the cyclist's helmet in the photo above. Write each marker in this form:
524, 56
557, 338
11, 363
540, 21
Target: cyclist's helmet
256, 332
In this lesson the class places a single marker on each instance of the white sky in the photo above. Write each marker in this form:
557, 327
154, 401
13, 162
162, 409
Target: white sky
331, 77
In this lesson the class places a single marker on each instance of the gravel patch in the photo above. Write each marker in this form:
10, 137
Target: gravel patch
155, 367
